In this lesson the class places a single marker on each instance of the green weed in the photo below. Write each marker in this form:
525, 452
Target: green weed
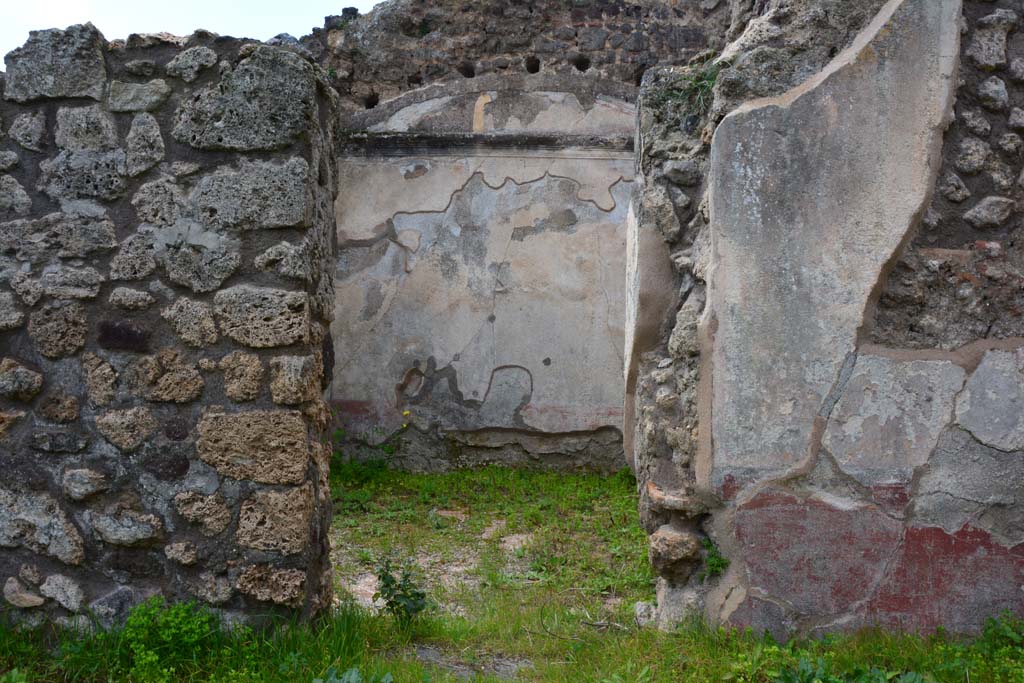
403, 598
691, 92
715, 563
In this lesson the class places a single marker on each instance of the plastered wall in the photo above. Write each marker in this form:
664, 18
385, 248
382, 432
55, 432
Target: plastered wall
829, 398
481, 251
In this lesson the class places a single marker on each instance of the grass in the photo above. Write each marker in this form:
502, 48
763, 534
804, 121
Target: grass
560, 596
690, 92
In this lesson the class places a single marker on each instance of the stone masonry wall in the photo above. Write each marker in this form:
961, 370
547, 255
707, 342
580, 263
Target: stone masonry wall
166, 230
960, 279
405, 44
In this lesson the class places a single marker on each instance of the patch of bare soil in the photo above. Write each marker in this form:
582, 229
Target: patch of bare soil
505, 668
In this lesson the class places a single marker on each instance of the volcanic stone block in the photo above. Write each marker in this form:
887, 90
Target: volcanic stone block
64, 590
57, 63
13, 197
277, 521
134, 260
18, 595
7, 420
192, 322
100, 379
188, 63
258, 195
137, 96
295, 379
84, 175
262, 317
58, 329
243, 375
79, 484
280, 586
18, 382
168, 378
988, 44
59, 407
210, 513
184, 552
126, 527
144, 144
68, 235
82, 129
270, 447
36, 521
674, 553
195, 257
159, 202
127, 429
28, 130
130, 299
10, 317
265, 103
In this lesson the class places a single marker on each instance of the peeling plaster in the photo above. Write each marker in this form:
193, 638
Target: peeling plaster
518, 274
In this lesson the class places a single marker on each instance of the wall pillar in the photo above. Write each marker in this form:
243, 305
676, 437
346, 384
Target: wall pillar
166, 229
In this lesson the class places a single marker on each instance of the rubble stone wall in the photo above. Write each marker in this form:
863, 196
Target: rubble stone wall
404, 45
166, 230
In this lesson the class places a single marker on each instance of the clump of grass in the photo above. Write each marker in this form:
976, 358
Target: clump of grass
351, 646
715, 563
187, 642
690, 92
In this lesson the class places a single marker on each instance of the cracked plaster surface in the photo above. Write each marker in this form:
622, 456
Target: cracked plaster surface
514, 111
793, 273
501, 308
377, 189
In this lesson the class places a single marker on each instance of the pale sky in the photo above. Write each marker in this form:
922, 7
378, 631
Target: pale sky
260, 19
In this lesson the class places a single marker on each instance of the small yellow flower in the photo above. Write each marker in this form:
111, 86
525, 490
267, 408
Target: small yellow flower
405, 413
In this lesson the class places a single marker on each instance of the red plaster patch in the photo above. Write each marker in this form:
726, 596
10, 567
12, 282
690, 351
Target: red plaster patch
814, 555
891, 497
730, 487
951, 580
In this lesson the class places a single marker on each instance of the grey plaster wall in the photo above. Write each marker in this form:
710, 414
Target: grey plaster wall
479, 300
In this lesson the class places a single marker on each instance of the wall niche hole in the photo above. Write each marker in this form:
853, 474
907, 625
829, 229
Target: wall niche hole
371, 100
532, 65
467, 69
581, 62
